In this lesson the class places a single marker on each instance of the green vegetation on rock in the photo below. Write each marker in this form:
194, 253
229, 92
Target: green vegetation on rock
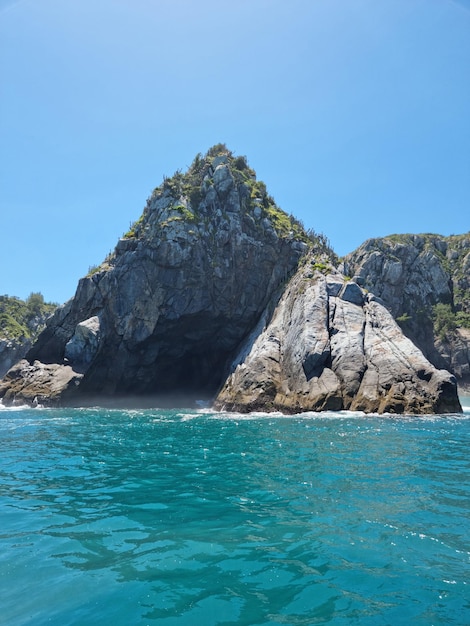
186, 193
23, 319
444, 320
203, 202
134, 228
424, 280
324, 268
403, 320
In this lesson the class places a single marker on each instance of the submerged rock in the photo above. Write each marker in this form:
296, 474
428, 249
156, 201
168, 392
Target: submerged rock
332, 346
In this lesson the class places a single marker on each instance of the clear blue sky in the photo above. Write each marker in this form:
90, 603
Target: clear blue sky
355, 113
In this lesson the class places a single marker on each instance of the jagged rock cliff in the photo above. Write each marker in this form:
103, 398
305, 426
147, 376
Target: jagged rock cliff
189, 291
20, 324
165, 312
330, 345
425, 282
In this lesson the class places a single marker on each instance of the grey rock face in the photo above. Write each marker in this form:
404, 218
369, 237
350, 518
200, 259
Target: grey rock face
330, 345
414, 273
38, 383
12, 351
83, 346
165, 313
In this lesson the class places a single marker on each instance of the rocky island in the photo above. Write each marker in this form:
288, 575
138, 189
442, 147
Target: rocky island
215, 293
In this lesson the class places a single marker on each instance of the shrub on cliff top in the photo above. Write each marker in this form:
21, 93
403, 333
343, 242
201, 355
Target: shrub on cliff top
190, 188
19, 318
444, 320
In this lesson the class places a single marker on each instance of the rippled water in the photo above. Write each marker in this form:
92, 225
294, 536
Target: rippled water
186, 518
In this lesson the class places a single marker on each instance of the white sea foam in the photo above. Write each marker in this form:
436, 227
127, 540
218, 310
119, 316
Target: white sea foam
20, 407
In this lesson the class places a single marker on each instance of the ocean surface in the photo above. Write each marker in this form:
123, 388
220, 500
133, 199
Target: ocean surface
191, 518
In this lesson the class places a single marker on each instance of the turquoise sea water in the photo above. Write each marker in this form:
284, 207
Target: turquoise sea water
188, 518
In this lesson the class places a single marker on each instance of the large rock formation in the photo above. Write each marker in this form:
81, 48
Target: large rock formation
165, 312
331, 345
198, 276
425, 282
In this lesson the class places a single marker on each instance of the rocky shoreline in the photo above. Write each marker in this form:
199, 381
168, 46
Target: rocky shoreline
216, 293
